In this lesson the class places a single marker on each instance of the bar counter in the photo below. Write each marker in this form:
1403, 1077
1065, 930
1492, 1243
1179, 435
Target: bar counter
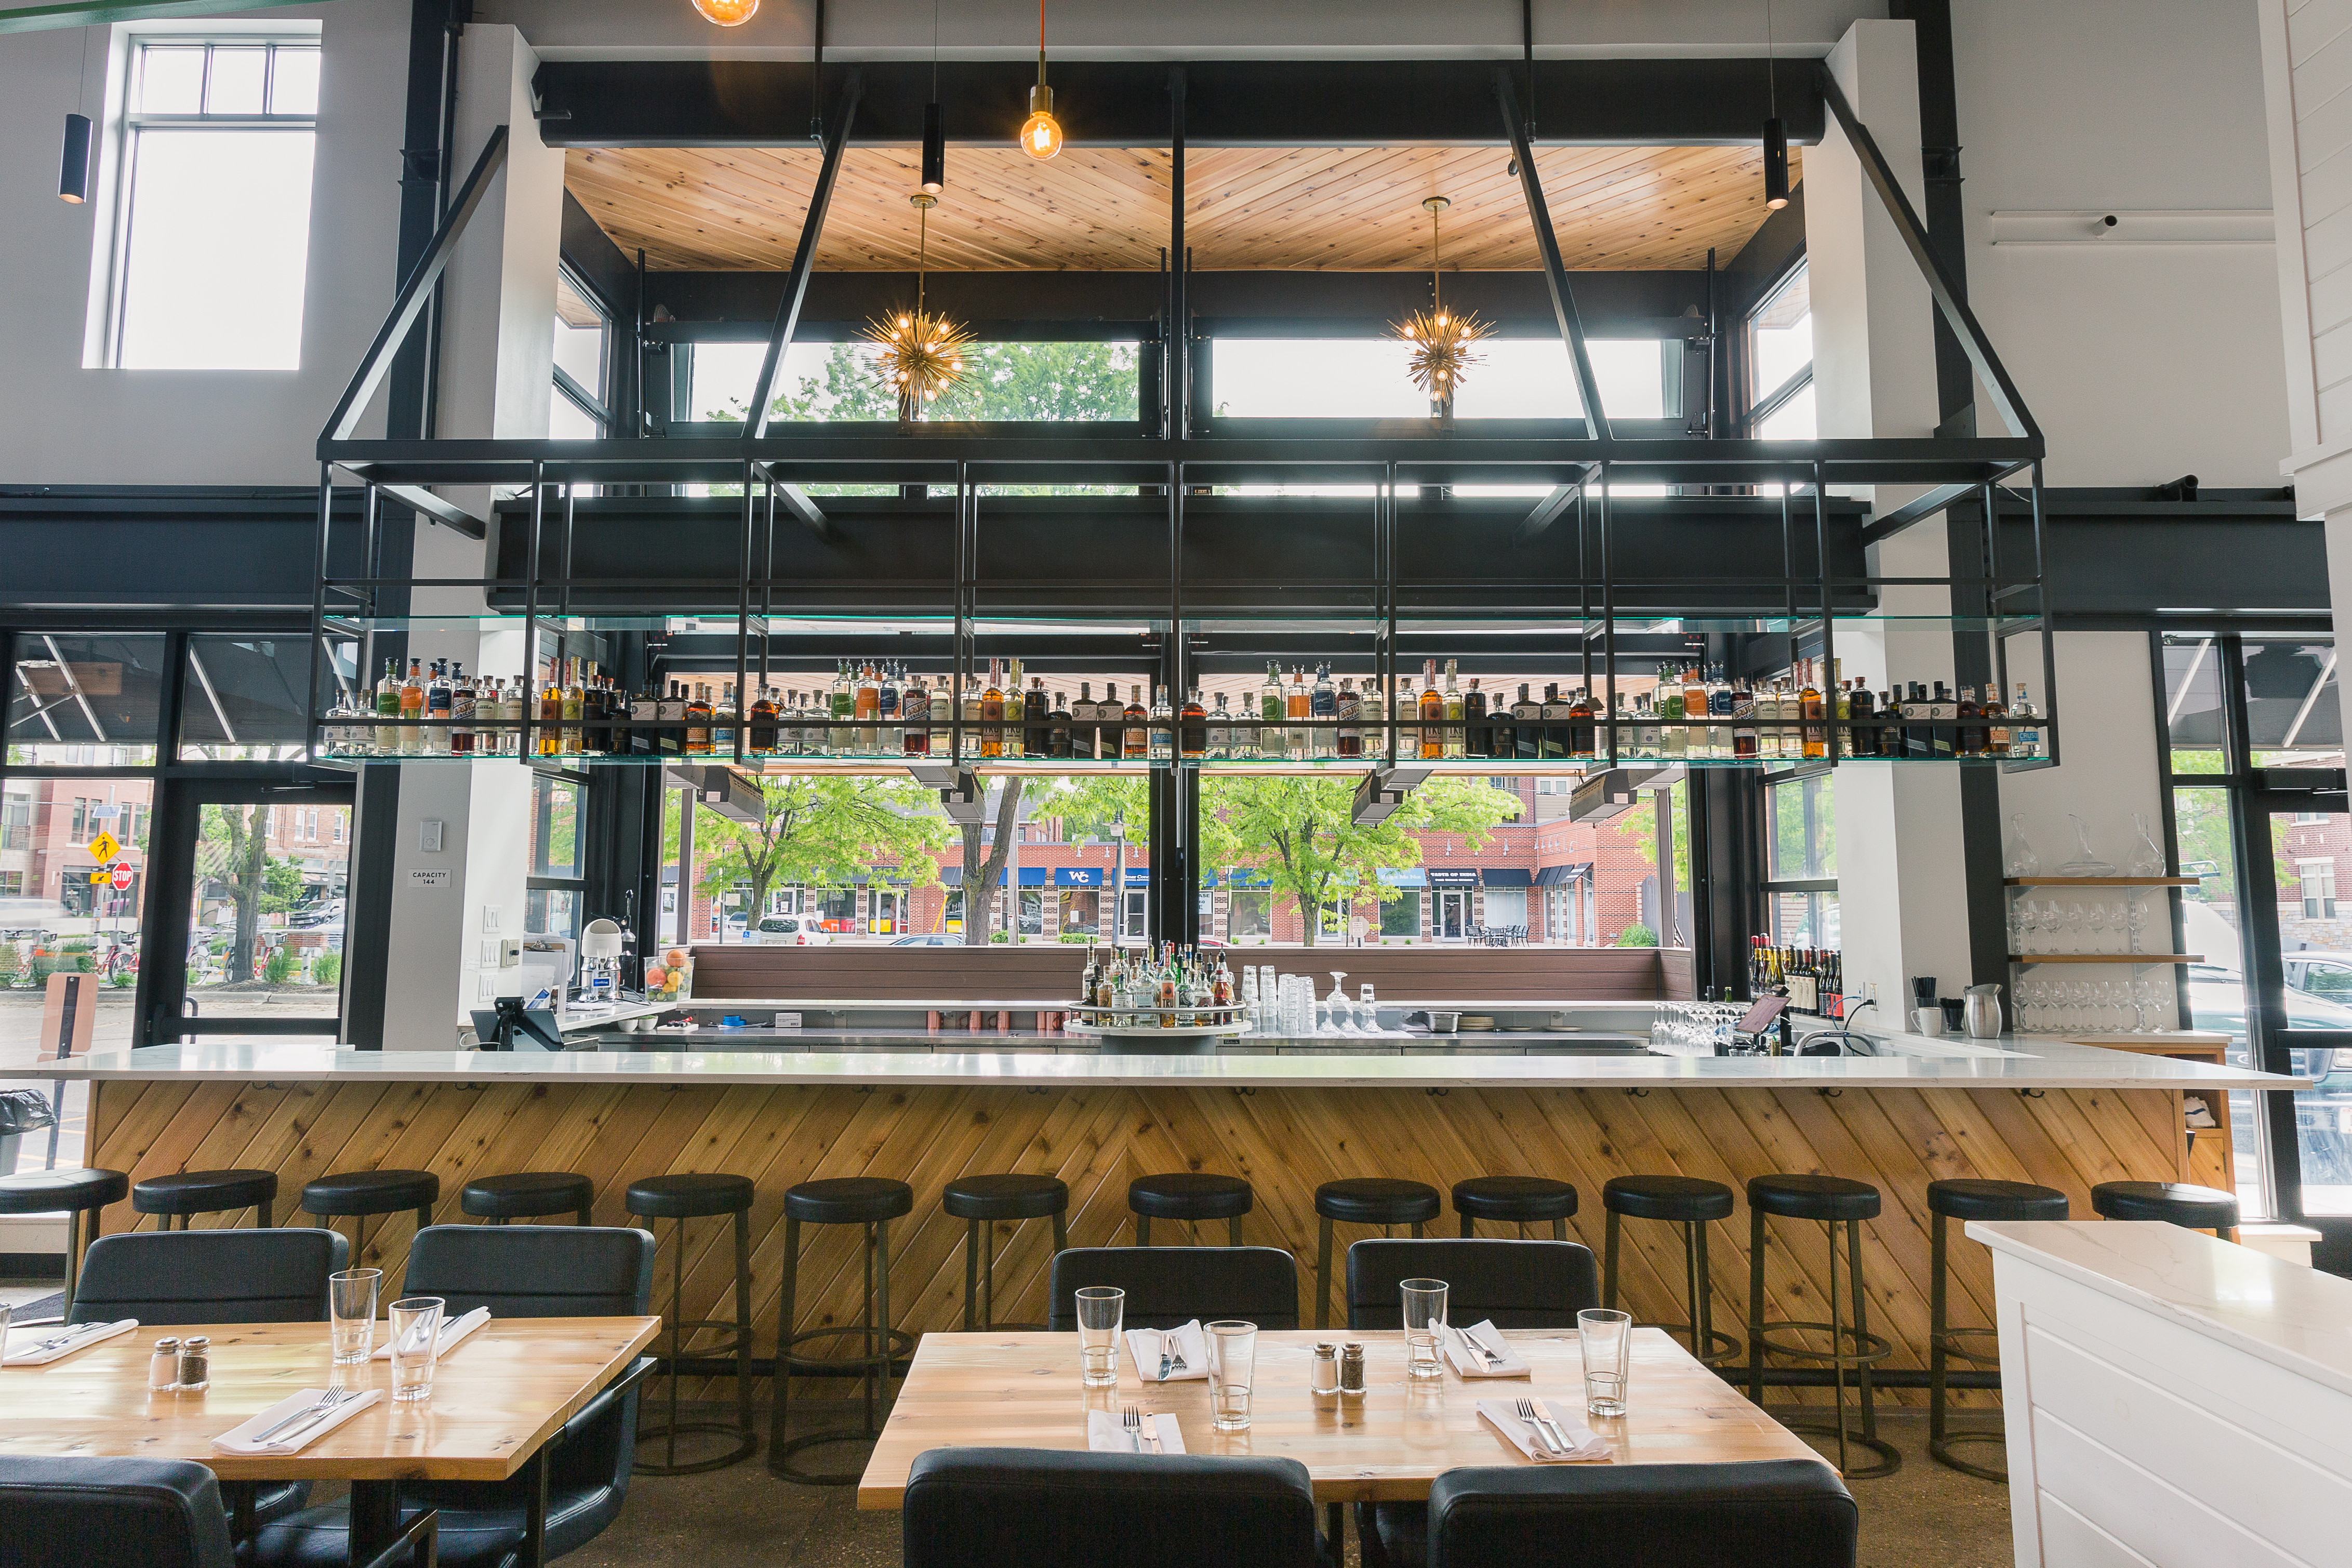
2065, 1115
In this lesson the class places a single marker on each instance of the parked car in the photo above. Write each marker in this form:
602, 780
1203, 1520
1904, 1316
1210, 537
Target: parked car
2217, 1001
313, 916
789, 931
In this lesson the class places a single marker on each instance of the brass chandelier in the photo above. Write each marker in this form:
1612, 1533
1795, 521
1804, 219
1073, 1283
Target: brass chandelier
920, 353
1441, 338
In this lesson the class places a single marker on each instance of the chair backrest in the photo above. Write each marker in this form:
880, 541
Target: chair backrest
1040, 1507
535, 1270
1168, 1287
1516, 1284
1770, 1513
165, 1277
71, 1513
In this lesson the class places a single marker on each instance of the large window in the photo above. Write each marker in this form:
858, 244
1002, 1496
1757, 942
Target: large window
1003, 381
1514, 378
556, 886
213, 237
1801, 888
1781, 360
577, 411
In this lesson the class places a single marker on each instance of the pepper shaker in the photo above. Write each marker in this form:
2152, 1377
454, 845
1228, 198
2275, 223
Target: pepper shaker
195, 1362
1351, 1367
164, 1366
1327, 1370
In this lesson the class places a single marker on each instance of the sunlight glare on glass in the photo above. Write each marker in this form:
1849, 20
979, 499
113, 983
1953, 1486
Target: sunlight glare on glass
220, 224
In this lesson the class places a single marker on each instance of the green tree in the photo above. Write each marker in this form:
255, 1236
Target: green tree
234, 852
1089, 805
1300, 833
1027, 382
984, 864
820, 832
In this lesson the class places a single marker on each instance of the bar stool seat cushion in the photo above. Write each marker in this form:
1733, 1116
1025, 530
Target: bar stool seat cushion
1813, 1197
849, 1200
527, 1194
688, 1195
204, 1192
1376, 1200
2175, 1203
1005, 1197
1693, 1199
1964, 1199
1524, 1198
1189, 1194
360, 1193
53, 1192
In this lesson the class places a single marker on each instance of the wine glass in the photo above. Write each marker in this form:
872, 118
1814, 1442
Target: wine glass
2094, 921
1343, 1016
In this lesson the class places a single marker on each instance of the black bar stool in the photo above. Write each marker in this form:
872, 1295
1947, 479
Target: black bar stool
75, 1194
356, 1194
872, 1202
1834, 1201
528, 1194
1968, 1200
206, 1191
1515, 1200
1693, 1203
2173, 1203
682, 1197
980, 1202
1383, 1200
1189, 1194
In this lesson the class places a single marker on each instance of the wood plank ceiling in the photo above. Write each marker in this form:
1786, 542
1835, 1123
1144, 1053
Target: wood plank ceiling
1285, 208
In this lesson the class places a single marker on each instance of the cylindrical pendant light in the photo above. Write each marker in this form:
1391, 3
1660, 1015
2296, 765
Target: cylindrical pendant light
73, 166
935, 151
1776, 163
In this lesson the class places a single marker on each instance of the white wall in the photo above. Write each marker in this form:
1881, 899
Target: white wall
63, 424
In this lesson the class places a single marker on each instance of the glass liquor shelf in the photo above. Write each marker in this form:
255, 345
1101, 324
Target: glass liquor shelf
1550, 628
2032, 958
2100, 882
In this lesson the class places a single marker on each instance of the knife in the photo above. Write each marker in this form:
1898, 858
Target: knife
1493, 1356
1558, 1433
302, 1428
82, 1332
1167, 1354
1151, 1433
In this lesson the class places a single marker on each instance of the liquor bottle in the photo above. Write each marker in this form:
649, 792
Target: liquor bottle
1841, 714
1192, 728
1298, 704
568, 704
1458, 716
1700, 736
1648, 739
1407, 708
1081, 722
491, 737
387, 706
889, 704
1433, 712
1273, 735
1163, 726
1556, 711
1135, 727
992, 712
1477, 735
697, 721
1997, 732
1668, 707
1861, 734
1348, 708
1220, 730
1723, 704
1942, 709
941, 720
412, 708
1110, 724
1581, 727
1816, 721
549, 735
1323, 704
1744, 744
865, 707
723, 718
462, 708
2025, 736
437, 706
1912, 706
1036, 720
1057, 727
1969, 740
1527, 724
764, 735
912, 728
971, 742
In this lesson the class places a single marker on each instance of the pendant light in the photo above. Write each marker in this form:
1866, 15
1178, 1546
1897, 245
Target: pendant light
1041, 134
1441, 338
935, 142
921, 353
728, 13
73, 163
1776, 136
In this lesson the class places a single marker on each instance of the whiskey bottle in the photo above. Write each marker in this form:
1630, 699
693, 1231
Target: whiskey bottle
1477, 735
992, 712
1323, 706
764, 735
1968, 741
1058, 727
942, 720
461, 711
1526, 725
1221, 730
1433, 712
1135, 727
1457, 738
1742, 703
1036, 720
697, 721
1997, 732
1941, 710
1557, 713
550, 714
1192, 728
865, 708
1580, 728
1696, 711
1816, 721
1348, 709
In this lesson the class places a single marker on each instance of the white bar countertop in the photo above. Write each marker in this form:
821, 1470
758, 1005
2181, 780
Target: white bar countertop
2295, 1317
2038, 1064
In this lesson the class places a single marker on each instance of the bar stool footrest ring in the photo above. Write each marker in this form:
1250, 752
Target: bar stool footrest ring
1890, 1456
901, 1344
777, 1457
1722, 1348
1875, 1347
1940, 1449
746, 1445
1955, 1343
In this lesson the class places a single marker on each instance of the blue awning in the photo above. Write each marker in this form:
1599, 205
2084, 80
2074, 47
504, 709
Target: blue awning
1077, 876
1506, 877
1410, 877
1032, 876
1237, 877
1139, 876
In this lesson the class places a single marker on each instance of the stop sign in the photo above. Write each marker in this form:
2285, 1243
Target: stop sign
121, 878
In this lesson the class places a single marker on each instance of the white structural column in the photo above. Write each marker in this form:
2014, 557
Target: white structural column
1903, 907
451, 904
2307, 97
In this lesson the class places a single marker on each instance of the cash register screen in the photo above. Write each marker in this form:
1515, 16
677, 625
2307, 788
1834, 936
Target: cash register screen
1760, 1016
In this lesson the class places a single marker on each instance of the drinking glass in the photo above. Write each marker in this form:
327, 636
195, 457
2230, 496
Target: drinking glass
351, 1306
1607, 1339
2095, 921
1100, 1310
1424, 1316
1367, 1016
1233, 1359
415, 1332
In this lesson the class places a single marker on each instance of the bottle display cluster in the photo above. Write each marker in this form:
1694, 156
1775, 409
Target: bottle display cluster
1812, 978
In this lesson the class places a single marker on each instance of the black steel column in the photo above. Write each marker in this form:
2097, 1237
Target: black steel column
1939, 155
1727, 871
1174, 904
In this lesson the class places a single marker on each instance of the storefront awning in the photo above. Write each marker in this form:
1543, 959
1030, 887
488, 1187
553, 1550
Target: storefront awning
1452, 877
1239, 877
1139, 876
1410, 877
1554, 876
1077, 876
951, 876
1506, 877
1032, 876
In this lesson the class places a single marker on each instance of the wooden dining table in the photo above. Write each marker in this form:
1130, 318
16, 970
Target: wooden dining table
498, 1398
1386, 1444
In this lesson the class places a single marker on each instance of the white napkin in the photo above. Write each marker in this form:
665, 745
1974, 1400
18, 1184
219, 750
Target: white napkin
1584, 1444
1148, 1345
453, 1331
1106, 1434
1470, 1364
33, 1347
238, 1439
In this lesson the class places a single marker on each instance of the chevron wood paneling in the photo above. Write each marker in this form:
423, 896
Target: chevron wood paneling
1285, 1140
1295, 208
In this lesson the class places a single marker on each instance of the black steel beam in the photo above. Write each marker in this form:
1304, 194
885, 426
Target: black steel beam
787, 312
445, 512
806, 511
1547, 510
1122, 103
1918, 510
1563, 293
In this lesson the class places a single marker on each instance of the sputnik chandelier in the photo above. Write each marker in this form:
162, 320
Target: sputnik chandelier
1441, 338
920, 353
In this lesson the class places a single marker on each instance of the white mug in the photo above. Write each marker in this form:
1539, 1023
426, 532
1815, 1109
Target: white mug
1928, 1020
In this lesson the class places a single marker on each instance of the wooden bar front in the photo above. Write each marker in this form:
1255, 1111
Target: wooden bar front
1285, 1140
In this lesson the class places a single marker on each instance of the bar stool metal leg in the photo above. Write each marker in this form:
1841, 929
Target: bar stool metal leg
1944, 1342
1234, 1231
745, 1428
1866, 1350
1143, 1230
1754, 1306
1323, 1277
881, 1346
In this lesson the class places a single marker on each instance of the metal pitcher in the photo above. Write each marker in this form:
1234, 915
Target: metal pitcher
1982, 1018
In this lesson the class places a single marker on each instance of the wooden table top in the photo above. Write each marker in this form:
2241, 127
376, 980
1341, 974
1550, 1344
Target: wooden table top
495, 1398
1022, 1390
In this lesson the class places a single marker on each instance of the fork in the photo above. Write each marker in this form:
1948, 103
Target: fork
319, 1407
1527, 1411
1132, 1419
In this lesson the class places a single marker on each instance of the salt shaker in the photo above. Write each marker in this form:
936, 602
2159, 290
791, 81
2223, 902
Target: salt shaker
195, 1362
1351, 1368
1327, 1370
164, 1366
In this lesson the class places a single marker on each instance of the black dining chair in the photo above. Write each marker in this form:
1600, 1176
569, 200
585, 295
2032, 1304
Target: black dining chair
1767, 1513
157, 1513
1517, 1284
516, 1271
1168, 1287
1050, 1508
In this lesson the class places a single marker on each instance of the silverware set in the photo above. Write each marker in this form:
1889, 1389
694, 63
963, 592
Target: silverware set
1171, 1356
81, 1331
302, 1420
1142, 1426
1541, 1423
1493, 1356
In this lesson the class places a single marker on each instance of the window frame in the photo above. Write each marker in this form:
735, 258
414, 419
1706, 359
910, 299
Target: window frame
593, 402
1812, 888
538, 881
1764, 402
